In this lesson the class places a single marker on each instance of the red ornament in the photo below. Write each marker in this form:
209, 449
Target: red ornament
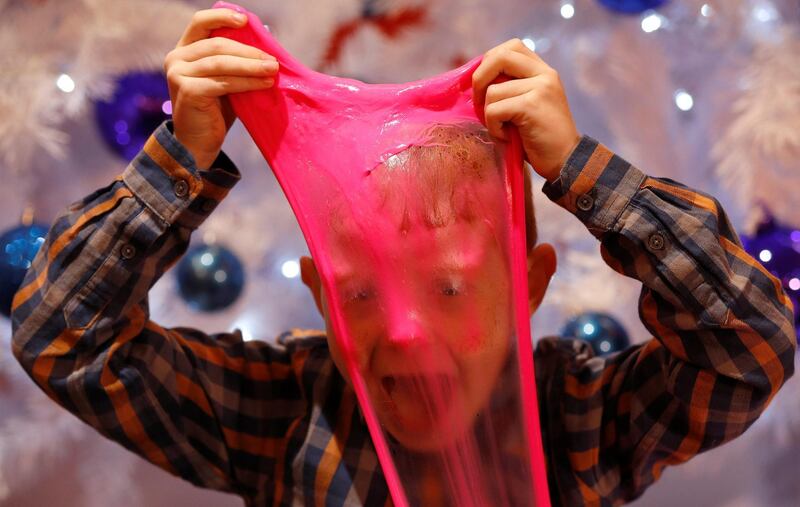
390, 24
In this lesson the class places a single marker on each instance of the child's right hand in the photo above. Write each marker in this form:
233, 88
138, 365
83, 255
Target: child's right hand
201, 71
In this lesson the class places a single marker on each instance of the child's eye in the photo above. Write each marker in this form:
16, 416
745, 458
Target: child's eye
450, 291
450, 288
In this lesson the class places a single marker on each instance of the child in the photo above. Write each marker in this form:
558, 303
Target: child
278, 424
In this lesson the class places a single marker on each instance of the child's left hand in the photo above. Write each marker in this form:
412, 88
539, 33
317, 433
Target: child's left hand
533, 99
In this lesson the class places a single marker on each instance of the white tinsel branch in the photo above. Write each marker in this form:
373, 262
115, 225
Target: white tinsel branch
758, 150
92, 41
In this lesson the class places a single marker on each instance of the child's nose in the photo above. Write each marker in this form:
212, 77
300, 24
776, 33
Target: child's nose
406, 330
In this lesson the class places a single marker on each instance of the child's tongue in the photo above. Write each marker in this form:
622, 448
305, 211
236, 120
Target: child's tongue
419, 400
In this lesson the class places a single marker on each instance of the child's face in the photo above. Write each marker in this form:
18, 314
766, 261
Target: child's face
431, 326
422, 279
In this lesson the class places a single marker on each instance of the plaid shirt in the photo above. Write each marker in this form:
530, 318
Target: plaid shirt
276, 423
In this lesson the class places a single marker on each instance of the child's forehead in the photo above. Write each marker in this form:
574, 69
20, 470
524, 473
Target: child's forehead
425, 197
459, 246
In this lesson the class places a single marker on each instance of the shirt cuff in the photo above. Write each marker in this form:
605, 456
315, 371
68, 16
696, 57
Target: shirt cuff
165, 177
595, 185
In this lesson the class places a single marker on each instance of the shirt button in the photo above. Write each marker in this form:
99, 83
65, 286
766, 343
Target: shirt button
208, 205
181, 188
585, 202
127, 251
655, 242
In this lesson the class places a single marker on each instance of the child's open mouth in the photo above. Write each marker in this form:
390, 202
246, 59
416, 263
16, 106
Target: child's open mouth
422, 401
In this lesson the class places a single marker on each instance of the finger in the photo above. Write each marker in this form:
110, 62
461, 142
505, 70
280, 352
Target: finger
203, 22
219, 46
219, 86
227, 65
513, 45
506, 62
507, 89
500, 112
520, 47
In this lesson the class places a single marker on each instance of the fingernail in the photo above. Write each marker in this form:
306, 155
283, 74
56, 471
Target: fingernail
269, 82
239, 17
269, 65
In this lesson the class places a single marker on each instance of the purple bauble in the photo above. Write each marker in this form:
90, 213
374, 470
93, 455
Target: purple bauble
139, 105
632, 6
778, 249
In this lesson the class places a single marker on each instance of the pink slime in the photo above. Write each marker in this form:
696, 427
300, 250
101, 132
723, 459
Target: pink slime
321, 134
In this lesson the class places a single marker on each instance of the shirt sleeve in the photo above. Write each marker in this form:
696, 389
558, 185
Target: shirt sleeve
212, 409
723, 332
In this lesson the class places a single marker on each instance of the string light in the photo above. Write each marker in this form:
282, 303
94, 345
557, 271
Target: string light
290, 269
794, 284
652, 22
706, 10
540, 45
567, 10
765, 255
765, 12
65, 83
683, 100
245, 325
530, 43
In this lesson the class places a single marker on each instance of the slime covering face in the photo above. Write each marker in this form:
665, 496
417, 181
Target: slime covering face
431, 332
415, 220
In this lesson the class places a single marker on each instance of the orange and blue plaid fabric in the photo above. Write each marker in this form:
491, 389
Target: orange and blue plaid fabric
275, 423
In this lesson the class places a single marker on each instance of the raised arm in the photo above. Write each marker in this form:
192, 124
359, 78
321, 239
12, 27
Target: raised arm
723, 341
212, 409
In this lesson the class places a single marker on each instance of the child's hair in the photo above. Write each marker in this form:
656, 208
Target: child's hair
445, 171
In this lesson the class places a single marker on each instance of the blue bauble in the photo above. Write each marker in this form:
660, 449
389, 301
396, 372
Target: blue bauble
18, 247
602, 331
210, 277
631, 6
139, 105
778, 249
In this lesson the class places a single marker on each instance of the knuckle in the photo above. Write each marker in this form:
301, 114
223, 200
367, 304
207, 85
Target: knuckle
492, 53
553, 81
531, 98
223, 83
490, 113
491, 93
198, 68
172, 75
216, 44
210, 65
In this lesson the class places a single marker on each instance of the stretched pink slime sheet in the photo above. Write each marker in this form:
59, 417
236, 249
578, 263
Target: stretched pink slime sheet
411, 359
